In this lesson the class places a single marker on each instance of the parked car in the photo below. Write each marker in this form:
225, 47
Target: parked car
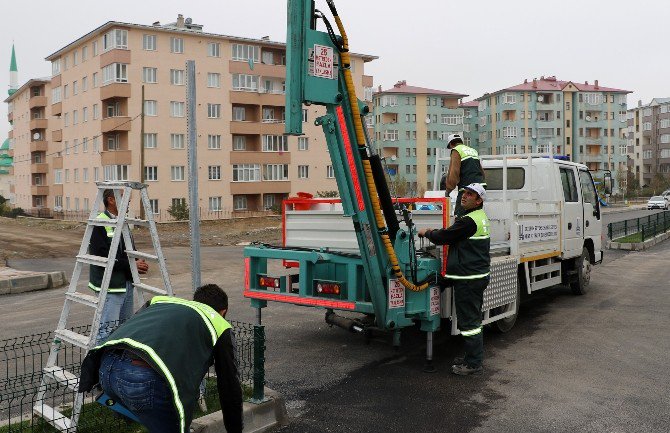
657, 202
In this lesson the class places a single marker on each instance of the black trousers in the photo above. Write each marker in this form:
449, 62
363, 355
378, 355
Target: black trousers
458, 209
469, 297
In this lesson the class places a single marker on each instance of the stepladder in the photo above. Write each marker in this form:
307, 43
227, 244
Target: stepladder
72, 342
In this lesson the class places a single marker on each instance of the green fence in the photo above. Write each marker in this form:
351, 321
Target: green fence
639, 229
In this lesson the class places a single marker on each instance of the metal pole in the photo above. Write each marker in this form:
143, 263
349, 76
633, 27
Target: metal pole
429, 367
191, 127
142, 150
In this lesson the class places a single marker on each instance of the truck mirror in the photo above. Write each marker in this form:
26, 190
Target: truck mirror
607, 183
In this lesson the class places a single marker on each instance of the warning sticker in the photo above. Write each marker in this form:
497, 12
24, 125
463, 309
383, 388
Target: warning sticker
435, 301
396, 294
324, 62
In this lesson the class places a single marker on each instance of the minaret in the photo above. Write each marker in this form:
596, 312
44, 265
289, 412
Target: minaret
13, 74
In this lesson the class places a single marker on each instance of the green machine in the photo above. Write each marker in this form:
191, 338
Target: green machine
389, 283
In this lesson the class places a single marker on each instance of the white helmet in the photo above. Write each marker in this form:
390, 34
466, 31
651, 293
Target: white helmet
453, 137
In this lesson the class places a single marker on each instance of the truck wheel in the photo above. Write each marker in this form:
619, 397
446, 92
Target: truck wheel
583, 268
504, 325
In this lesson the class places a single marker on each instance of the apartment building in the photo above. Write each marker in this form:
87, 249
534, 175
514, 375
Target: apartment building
649, 141
93, 128
586, 122
471, 123
6, 170
410, 126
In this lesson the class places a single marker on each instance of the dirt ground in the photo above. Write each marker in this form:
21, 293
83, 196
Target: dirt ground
30, 238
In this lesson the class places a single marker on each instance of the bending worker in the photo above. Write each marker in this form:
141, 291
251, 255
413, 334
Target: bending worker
153, 363
468, 265
464, 169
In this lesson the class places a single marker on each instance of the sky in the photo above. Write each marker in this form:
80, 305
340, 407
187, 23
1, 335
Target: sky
469, 47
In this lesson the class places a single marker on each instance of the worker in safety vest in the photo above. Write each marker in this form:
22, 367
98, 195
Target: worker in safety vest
468, 266
153, 364
119, 301
464, 169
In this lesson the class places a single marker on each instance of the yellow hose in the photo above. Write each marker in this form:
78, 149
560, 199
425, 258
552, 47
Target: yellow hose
345, 59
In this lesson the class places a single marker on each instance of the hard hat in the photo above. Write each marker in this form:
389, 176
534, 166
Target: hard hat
453, 137
478, 188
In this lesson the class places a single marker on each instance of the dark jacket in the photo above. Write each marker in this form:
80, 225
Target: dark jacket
101, 241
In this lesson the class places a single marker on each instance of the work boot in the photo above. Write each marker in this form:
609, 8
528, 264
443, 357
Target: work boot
460, 360
466, 370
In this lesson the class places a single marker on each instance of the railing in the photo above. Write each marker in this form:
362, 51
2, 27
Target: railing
22, 360
639, 229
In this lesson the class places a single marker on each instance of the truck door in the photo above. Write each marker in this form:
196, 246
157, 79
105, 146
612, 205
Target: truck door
573, 231
592, 216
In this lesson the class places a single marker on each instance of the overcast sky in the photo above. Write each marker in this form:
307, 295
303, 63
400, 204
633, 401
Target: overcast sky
470, 47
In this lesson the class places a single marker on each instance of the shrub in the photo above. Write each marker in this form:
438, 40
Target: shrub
178, 211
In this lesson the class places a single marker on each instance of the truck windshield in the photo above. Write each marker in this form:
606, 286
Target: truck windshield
516, 178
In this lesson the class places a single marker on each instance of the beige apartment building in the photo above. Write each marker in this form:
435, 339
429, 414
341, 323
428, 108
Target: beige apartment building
85, 123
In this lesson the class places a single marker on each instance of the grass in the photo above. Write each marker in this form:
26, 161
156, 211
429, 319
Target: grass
635, 237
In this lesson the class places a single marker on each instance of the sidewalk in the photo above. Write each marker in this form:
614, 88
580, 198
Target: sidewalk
13, 281
618, 208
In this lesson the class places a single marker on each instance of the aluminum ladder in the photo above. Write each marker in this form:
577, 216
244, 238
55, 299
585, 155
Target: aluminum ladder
64, 335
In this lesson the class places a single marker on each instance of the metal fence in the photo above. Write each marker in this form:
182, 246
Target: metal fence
162, 215
22, 360
639, 229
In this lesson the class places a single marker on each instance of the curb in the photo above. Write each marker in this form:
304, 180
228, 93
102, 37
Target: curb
637, 246
31, 282
258, 417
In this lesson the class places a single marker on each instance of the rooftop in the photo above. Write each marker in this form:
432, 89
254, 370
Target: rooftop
26, 85
402, 87
551, 84
473, 103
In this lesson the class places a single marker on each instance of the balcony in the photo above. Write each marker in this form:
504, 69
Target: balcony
257, 98
39, 168
57, 135
244, 157
39, 124
114, 56
57, 109
118, 123
116, 157
115, 90
241, 67
37, 101
265, 187
246, 128
38, 146
10, 116
39, 190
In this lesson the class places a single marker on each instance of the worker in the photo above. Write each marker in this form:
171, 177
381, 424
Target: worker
468, 265
119, 302
153, 364
464, 169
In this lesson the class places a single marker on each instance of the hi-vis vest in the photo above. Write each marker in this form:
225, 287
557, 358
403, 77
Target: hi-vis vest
176, 337
470, 167
117, 284
470, 258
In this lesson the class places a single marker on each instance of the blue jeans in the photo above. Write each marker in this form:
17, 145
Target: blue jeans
140, 389
117, 309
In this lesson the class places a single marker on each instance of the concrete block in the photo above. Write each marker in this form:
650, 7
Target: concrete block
5, 287
56, 279
29, 283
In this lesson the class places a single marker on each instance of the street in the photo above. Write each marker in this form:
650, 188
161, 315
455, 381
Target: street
584, 364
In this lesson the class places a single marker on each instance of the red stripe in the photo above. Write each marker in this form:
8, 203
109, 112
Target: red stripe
340, 305
350, 156
247, 264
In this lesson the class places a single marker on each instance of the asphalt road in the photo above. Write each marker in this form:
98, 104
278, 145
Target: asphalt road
596, 363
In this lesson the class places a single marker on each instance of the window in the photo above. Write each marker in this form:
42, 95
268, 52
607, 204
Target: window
246, 172
509, 132
239, 202
75, 88
178, 202
245, 82
215, 203
646, 126
55, 67
177, 173
392, 100
275, 143
67, 175
330, 173
303, 171
304, 115
149, 75
452, 119
153, 203
96, 81
113, 142
239, 142
509, 98
113, 109
94, 48
239, 114
176, 45
176, 109
75, 117
569, 184
214, 111
115, 73
150, 140
274, 172
245, 52
213, 79
177, 141
588, 190
177, 77
84, 84
116, 38
65, 91
56, 95
151, 173
214, 172
367, 93
66, 119
213, 142
392, 135
58, 176
213, 49
149, 42
516, 178
151, 108
115, 172
96, 174
84, 145
303, 143
593, 98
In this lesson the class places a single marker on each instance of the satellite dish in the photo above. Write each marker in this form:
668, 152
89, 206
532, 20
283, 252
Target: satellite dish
36, 136
188, 21
427, 119
540, 98
393, 158
588, 118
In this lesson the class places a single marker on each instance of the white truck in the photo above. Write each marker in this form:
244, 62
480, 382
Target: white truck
546, 230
